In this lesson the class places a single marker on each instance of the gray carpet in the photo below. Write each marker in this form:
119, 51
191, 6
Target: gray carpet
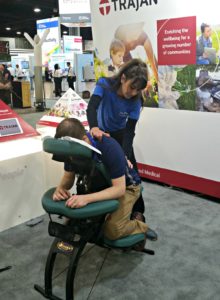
185, 265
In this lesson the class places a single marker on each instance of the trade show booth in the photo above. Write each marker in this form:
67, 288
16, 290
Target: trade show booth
176, 137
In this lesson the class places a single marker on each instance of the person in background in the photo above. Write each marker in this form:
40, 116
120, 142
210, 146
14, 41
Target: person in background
57, 76
18, 72
117, 51
70, 76
114, 110
47, 74
5, 72
125, 183
5, 84
204, 40
12, 71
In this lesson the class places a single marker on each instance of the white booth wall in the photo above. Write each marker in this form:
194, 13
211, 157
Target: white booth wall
179, 148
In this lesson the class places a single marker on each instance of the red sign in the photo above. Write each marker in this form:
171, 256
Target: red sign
104, 7
177, 41
78, 40
16, 127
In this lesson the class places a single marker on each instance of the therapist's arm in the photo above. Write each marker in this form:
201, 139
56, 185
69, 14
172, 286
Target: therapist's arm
93, 105
92, 118
129, 137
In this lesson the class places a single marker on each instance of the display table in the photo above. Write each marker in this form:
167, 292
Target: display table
26, 172
21, 95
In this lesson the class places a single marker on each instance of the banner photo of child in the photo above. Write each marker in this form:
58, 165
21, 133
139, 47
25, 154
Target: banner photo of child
130, 41
117, 52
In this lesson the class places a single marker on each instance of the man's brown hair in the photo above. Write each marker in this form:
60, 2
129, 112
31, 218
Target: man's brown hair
70, 127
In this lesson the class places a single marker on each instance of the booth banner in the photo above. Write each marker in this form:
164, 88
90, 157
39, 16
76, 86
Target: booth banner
12, 126
72, 44
180, 46
52, 43
74, 11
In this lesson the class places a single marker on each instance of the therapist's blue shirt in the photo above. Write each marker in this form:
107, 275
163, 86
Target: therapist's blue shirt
114, 110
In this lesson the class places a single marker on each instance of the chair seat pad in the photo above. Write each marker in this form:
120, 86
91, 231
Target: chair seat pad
125, 242
90, 210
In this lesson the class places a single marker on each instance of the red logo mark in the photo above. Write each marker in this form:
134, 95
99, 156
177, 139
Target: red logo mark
104, 7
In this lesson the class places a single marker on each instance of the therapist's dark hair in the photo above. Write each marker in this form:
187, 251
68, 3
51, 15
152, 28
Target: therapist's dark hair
70, 127
134, 70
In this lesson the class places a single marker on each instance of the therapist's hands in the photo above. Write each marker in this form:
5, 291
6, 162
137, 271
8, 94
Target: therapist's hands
98, 133
130, 165
61, 194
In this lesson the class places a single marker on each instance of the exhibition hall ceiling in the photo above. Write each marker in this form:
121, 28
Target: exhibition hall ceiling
19, 15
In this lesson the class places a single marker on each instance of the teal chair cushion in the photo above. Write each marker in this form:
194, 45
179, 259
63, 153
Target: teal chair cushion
66, 147
125, 242
90, 210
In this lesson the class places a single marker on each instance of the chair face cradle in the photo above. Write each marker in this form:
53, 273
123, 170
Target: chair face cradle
85, 224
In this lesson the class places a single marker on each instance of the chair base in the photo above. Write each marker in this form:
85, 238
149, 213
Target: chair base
5, 269
148, 251
65, 242
45, 294
70, 240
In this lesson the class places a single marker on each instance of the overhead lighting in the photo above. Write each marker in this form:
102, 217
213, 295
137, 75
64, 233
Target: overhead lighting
37, 10
65, 32
8, 28
18, 32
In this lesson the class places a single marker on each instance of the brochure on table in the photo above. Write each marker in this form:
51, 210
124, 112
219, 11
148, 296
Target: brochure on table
12, 126
17, 138
70, 105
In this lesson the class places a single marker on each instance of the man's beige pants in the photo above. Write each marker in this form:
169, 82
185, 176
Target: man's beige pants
118, 224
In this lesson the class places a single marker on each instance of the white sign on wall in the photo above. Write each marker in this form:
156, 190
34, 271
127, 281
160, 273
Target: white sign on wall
74, 11
52, 43
72, 44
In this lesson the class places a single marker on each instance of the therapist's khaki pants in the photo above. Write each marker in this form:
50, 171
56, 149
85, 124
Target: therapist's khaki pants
118, 224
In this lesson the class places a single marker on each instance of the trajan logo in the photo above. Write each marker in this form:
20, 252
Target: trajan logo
104, 7
118, 5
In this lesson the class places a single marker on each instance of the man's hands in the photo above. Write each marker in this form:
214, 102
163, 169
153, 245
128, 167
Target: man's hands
98, 133
77, 201
61, 194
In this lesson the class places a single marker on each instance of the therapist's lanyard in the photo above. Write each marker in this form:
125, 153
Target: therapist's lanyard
94, 144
